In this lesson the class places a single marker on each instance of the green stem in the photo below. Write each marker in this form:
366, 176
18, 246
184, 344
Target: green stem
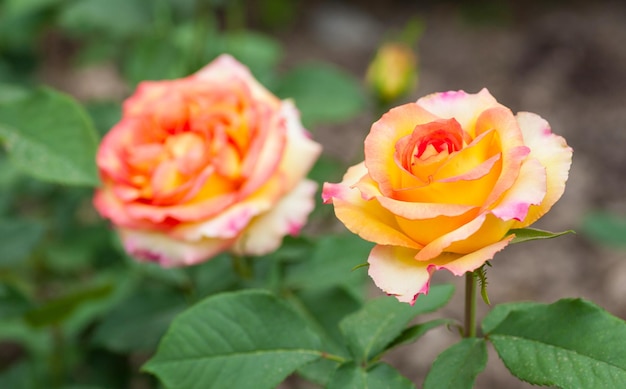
470, 305
243, 266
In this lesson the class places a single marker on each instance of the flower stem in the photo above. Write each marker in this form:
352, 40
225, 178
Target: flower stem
470, 305
243, 266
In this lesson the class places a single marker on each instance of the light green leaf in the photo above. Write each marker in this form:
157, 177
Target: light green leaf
380, 376
458, 366
372, 329
49, 136
569, 344
246, 339
527, 234
322, 93
18, 238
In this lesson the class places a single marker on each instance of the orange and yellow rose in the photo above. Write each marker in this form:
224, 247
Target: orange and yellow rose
204, 164
443, 181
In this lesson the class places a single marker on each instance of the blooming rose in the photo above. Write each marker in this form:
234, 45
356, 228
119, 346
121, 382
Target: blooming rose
203, 164
443, 181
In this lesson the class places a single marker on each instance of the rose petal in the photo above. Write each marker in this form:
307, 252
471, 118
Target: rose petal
381, 142
529, 189
553, 153
301, 151
169, 252
224, 67
366, 218
397, 273
395, 270
463, 107
265, 233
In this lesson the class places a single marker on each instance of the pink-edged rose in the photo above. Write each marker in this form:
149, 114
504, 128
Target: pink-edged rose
204, 164
443, 181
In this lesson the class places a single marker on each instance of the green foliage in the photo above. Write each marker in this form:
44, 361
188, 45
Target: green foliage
18, 239
371, 330
322, 93
380, 376
528, 234
569, 344
49, 136
458, 366
606, 228
234, 340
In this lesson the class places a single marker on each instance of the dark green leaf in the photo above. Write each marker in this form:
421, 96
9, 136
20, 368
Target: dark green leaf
246, 339
569, 344
18, 238
458, 366
380, 376
57, 310
49, 136
606, 228
372, 329
322, 93
527, 234
140, 321
12, 301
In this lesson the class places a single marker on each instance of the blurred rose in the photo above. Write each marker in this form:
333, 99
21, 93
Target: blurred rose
443, 181
203, 164
393, 72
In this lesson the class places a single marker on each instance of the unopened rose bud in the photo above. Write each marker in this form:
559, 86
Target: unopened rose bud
393, 72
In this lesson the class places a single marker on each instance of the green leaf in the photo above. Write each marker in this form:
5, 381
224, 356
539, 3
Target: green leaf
414, 332
259, 52
372, 329
500, 312
458, 366
324, 309
569, 344
49, 136
153, 58
380, 376
331, 263
113, 18
57, 310
606, 228
139, 322
527, 234
18, 238
12, 301
322, 93
246, 339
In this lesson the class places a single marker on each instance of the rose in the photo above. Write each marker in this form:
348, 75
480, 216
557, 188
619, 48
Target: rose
204, 164
443, 181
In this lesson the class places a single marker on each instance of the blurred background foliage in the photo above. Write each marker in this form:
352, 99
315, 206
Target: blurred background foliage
75, 310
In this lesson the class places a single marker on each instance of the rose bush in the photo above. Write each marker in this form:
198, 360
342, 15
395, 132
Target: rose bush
203, 164
443, 181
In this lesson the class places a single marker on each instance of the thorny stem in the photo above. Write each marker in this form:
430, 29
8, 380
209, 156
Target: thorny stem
470, 305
